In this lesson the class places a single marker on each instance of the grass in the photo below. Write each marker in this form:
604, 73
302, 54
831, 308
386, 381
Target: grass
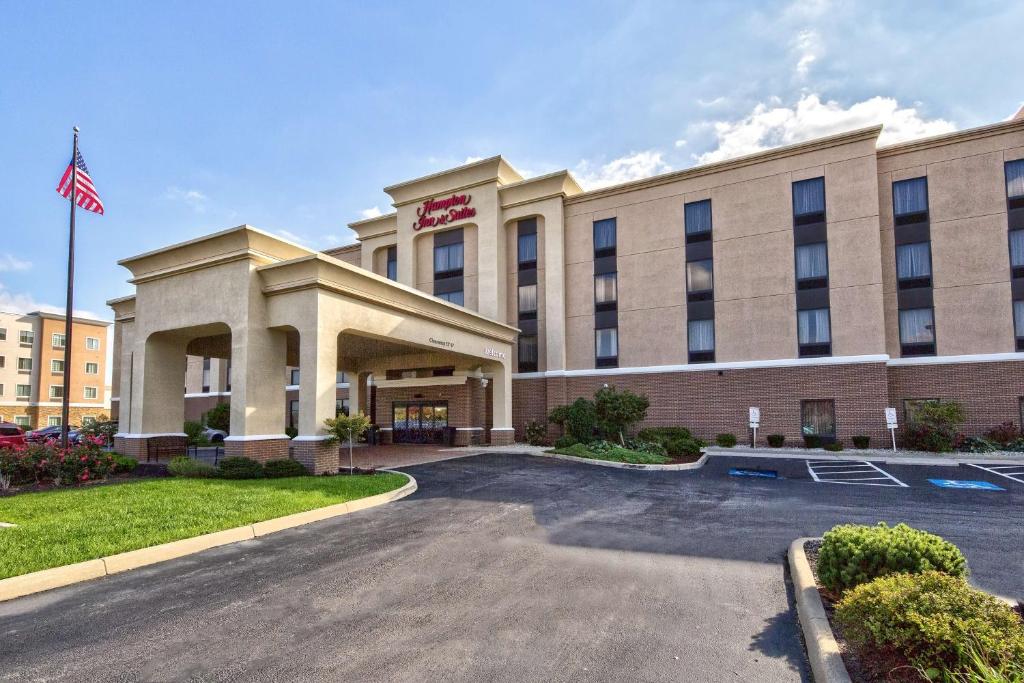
72, 525
614, 455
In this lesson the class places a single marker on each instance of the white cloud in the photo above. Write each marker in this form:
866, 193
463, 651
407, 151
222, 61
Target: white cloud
680, 143
22, 302
718, 101
11, 263
767, 127
634, 166
194, 199
809, 48
372, 212
472, 160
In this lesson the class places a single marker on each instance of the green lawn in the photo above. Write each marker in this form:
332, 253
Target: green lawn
61, 527
614, 455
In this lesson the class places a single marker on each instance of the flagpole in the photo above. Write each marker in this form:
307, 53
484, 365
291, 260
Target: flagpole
65, 407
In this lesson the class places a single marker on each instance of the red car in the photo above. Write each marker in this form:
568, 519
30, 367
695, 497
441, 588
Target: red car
11, 435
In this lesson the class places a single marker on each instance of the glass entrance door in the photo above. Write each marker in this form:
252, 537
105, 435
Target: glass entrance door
419, 421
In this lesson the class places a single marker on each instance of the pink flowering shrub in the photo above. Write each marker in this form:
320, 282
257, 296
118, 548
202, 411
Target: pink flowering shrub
43, 463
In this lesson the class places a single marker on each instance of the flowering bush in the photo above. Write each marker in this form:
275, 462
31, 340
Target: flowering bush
47, 462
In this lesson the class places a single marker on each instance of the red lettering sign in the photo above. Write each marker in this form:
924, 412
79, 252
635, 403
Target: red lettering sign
448, 210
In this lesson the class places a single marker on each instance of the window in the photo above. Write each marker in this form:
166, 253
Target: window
699, 276
697, 216
911, 406
910, 200
57, 340
606, 291
809, 200
528, 353
1015, 179
92, 343
91, 392
813, 326
88, 420
453, 298
1, 389
22, 421
53, 421
294, 377
527, 257
3, 334
701, 340
341, 407
392, 263
917, 326
293, 414
57, 366
23, 390
604, 237
448, 260
527, 302
914, 265
26, 337
819, 418
25, 364
56, 391
3, 361
1017, 248
92, 368
206, 375
1018, 323
606, 344
341, 377
812, 265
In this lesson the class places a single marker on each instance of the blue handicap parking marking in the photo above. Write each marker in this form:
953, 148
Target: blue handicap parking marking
966, 484
761, 474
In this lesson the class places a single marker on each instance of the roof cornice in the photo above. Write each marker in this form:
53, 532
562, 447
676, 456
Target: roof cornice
990, 130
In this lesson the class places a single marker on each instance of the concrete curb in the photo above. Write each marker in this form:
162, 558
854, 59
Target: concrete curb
627, 465
855, 454
822, 648
56, 577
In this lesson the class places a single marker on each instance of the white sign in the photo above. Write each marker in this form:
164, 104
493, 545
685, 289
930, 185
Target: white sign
493, 353
755, 417
890, 418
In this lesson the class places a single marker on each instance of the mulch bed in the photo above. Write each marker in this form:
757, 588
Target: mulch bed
863, 666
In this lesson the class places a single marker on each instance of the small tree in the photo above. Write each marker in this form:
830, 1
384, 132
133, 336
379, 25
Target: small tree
219, 417
934, 426
577, 419
193, 432
344, 427
617, 411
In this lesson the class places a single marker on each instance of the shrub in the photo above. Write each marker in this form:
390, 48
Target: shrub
536, 433
932, 619
617, 411
853, 554
578, 419
219, 417
677, 441
605, 450
861, 442
812, 441
934, 427
725, 440
240, 468
565, 442
274, 469
640, 446
834, 446
182, 466
975, 444
1004, 434
124, 464
660, 434
194, 432
776, 440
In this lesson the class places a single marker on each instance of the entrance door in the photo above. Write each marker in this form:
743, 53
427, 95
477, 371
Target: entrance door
419, 421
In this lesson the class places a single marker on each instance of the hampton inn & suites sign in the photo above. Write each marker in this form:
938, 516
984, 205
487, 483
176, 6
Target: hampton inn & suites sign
435, 212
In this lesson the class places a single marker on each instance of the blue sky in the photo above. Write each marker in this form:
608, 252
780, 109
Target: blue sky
197, 116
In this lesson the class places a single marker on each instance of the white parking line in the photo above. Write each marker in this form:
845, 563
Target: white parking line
1014, 473
850, 472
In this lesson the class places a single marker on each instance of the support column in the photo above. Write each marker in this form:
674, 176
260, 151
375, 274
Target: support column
156, 412
502, 432
258, 359
318, 372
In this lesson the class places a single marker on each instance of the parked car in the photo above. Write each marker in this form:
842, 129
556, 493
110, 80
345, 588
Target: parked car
41, 435
214, 435
11, 434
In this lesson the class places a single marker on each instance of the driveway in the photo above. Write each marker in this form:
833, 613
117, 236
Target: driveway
502, 567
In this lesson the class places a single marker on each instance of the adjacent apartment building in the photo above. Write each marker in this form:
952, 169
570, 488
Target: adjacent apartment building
820, 282
33, 376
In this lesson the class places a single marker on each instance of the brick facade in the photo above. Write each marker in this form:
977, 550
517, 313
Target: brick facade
316, 456
260, 450
155, 447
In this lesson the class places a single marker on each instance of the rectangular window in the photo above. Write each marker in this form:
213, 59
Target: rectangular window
701, 340
697, 216
56, 391
910, 200
92, 368
1, 389
3, 361
699, 276
818, 418
448, 260
914, 265
3, 334
341, 377
1017, 248
456, 298
527, 302
341, 407
23, 390
606, 345
92, 343
88, 420
1018, 323
812, 265
528, 353
57, 366
809, 200
206, 375
25, 364
813, 326
91, 392
22, 421
293, 378
26, 337
1015, 179
53, 421
604, 237
917, 332
293, 414
393, 263
57, 340
527, 251
606, 291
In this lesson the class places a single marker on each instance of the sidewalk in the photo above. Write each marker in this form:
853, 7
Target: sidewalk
872, 454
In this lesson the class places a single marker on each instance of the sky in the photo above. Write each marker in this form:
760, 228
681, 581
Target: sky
292, 117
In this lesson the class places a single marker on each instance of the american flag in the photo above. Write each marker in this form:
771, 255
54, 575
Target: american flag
87, 197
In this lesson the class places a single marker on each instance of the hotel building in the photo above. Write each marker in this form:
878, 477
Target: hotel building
820, 282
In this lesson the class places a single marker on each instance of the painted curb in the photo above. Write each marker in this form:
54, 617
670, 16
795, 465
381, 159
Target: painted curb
56, 577
822, 648
855, 454
627, 465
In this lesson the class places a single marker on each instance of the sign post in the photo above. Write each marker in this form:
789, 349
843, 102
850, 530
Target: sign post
755, 422
890, 422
